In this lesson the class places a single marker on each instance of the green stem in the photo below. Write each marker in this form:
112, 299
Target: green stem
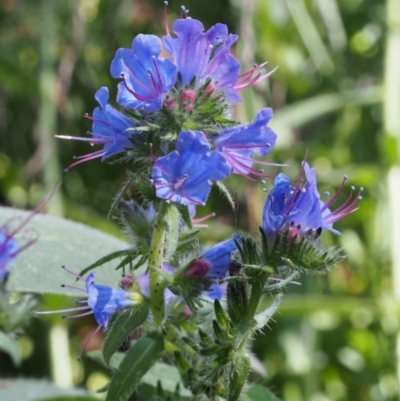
256, 293
157, 283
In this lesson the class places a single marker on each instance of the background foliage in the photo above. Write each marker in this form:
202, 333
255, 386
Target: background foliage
335, 336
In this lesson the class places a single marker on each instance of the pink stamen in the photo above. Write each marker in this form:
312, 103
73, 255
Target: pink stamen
253, 81
86, 158
80, 315
95, 141
73, 288
334, 197
140, 83
201, 219
180, 181
88, 341
158, 74
91, 118
132, 92
166, 18
73, 273
252, 70
35, 211
297, 187
250, 170
63, 310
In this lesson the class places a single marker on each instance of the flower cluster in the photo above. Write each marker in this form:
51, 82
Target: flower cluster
193, 86
175, 96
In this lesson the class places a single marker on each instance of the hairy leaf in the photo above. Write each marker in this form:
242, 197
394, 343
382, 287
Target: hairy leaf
121, 326
139, 359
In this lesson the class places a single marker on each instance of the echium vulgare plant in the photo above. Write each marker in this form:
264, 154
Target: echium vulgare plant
174, 129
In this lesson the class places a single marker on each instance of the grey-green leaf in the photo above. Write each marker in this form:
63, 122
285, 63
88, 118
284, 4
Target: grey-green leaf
38, 390
169, 377
121, 326
139, 359
60, 242
256, 392
10, 347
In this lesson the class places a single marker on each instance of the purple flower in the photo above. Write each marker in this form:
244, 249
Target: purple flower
301, 207
185, 176
110, 129
102, 301
199, 56
239, 144
146, 78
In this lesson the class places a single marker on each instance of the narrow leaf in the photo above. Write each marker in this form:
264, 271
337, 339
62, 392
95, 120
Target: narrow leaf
263, 317
239, 371
139, 359
119, 196
225, 191
105, 259
121, 326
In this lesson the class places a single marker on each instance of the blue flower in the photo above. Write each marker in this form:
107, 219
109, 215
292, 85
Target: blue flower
239, 144
301, 207
102, 301
9, 250
110, 129
219, 257
185, 176
199, 56
146, 78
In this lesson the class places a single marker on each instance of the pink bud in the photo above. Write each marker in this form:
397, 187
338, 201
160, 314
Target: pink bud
169, 103
199, 268
188, 96
128, 282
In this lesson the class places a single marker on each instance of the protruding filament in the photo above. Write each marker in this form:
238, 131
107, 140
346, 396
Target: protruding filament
166, 18
73, 273
88, 341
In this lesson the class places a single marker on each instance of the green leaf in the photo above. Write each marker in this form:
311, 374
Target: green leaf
119, 196
225, 191
121, 326
105, 259
263, 317
256, 392
38, 390
239, 371
60, 242
139, 359
10, 347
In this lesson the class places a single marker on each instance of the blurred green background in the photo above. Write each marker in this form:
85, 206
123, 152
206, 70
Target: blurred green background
336, 92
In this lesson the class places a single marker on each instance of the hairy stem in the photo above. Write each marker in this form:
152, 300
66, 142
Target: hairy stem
157, 283
256, 293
